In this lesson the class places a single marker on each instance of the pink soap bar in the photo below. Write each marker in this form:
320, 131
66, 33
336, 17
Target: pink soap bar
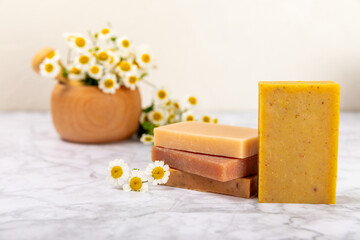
208, 138
215, 167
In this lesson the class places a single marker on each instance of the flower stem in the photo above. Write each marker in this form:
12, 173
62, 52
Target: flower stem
149, 83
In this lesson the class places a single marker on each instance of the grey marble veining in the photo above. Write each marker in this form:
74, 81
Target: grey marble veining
51, 189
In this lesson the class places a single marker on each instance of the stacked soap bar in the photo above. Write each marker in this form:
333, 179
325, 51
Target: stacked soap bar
298, 137
209, 157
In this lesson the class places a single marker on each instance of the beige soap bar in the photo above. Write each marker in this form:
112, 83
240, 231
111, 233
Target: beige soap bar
241, 187
208, 138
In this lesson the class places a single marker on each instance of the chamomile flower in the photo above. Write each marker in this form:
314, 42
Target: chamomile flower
137, 182
215, 120
103, 56
176, 105
161, 96
53, 56
144, 58
206, 118
124, 44
85, 60
80, 43
144, 117
158, 116
113, 59
131, 79
108, 83
105, 34
76, 73
96, 71
70, 38
49, 69
124, 67
173, 118
190, 102
147, 139
188, 116
119, 172
157, 172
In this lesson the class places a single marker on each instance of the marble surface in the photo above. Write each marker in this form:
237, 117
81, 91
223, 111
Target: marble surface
51, 189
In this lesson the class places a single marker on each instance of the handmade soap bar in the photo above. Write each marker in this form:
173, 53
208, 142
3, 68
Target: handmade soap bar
240, 187
298, 141
208, 138
215, 167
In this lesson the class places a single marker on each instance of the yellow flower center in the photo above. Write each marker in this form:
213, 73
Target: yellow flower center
116, 172
171, 116
75, 70
84, 59
145, 58
206, 119
192, 100
80, 42
103, 56
158, 173
215, 120
51, 55
108, 83
148, 139
168, 103
125, 43
94, 69
176, 105
157, 116
189, 118
132, 79
49, 67
105, 31
111, 60
135, 183
161, 94
125, 66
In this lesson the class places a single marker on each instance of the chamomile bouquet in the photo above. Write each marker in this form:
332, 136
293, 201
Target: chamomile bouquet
104, 59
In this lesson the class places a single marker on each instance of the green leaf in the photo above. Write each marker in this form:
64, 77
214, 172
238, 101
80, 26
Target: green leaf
148, 127
65, 73
143, 75
149, 108
88, 81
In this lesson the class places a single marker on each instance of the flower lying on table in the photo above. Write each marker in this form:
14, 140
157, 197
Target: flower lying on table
137, 180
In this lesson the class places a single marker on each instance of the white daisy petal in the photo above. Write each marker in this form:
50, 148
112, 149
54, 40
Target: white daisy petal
108, 83
49, 68
166, 167
126, 187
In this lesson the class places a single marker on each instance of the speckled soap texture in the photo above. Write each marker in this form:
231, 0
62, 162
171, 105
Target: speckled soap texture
51, 189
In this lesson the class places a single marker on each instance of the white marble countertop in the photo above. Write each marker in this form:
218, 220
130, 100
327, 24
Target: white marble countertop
51, 189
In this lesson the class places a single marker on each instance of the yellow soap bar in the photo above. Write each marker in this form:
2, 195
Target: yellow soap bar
208, 138
298, 141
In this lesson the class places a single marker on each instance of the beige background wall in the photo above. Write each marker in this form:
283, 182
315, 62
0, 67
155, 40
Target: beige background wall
217, 50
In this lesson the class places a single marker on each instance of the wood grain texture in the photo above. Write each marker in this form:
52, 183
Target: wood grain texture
84, 114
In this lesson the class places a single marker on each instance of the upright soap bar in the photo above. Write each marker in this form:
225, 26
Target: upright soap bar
215, 167
298, 141
208, 138
241, 187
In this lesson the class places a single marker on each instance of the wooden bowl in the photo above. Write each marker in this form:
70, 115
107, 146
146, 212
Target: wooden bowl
84, 114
